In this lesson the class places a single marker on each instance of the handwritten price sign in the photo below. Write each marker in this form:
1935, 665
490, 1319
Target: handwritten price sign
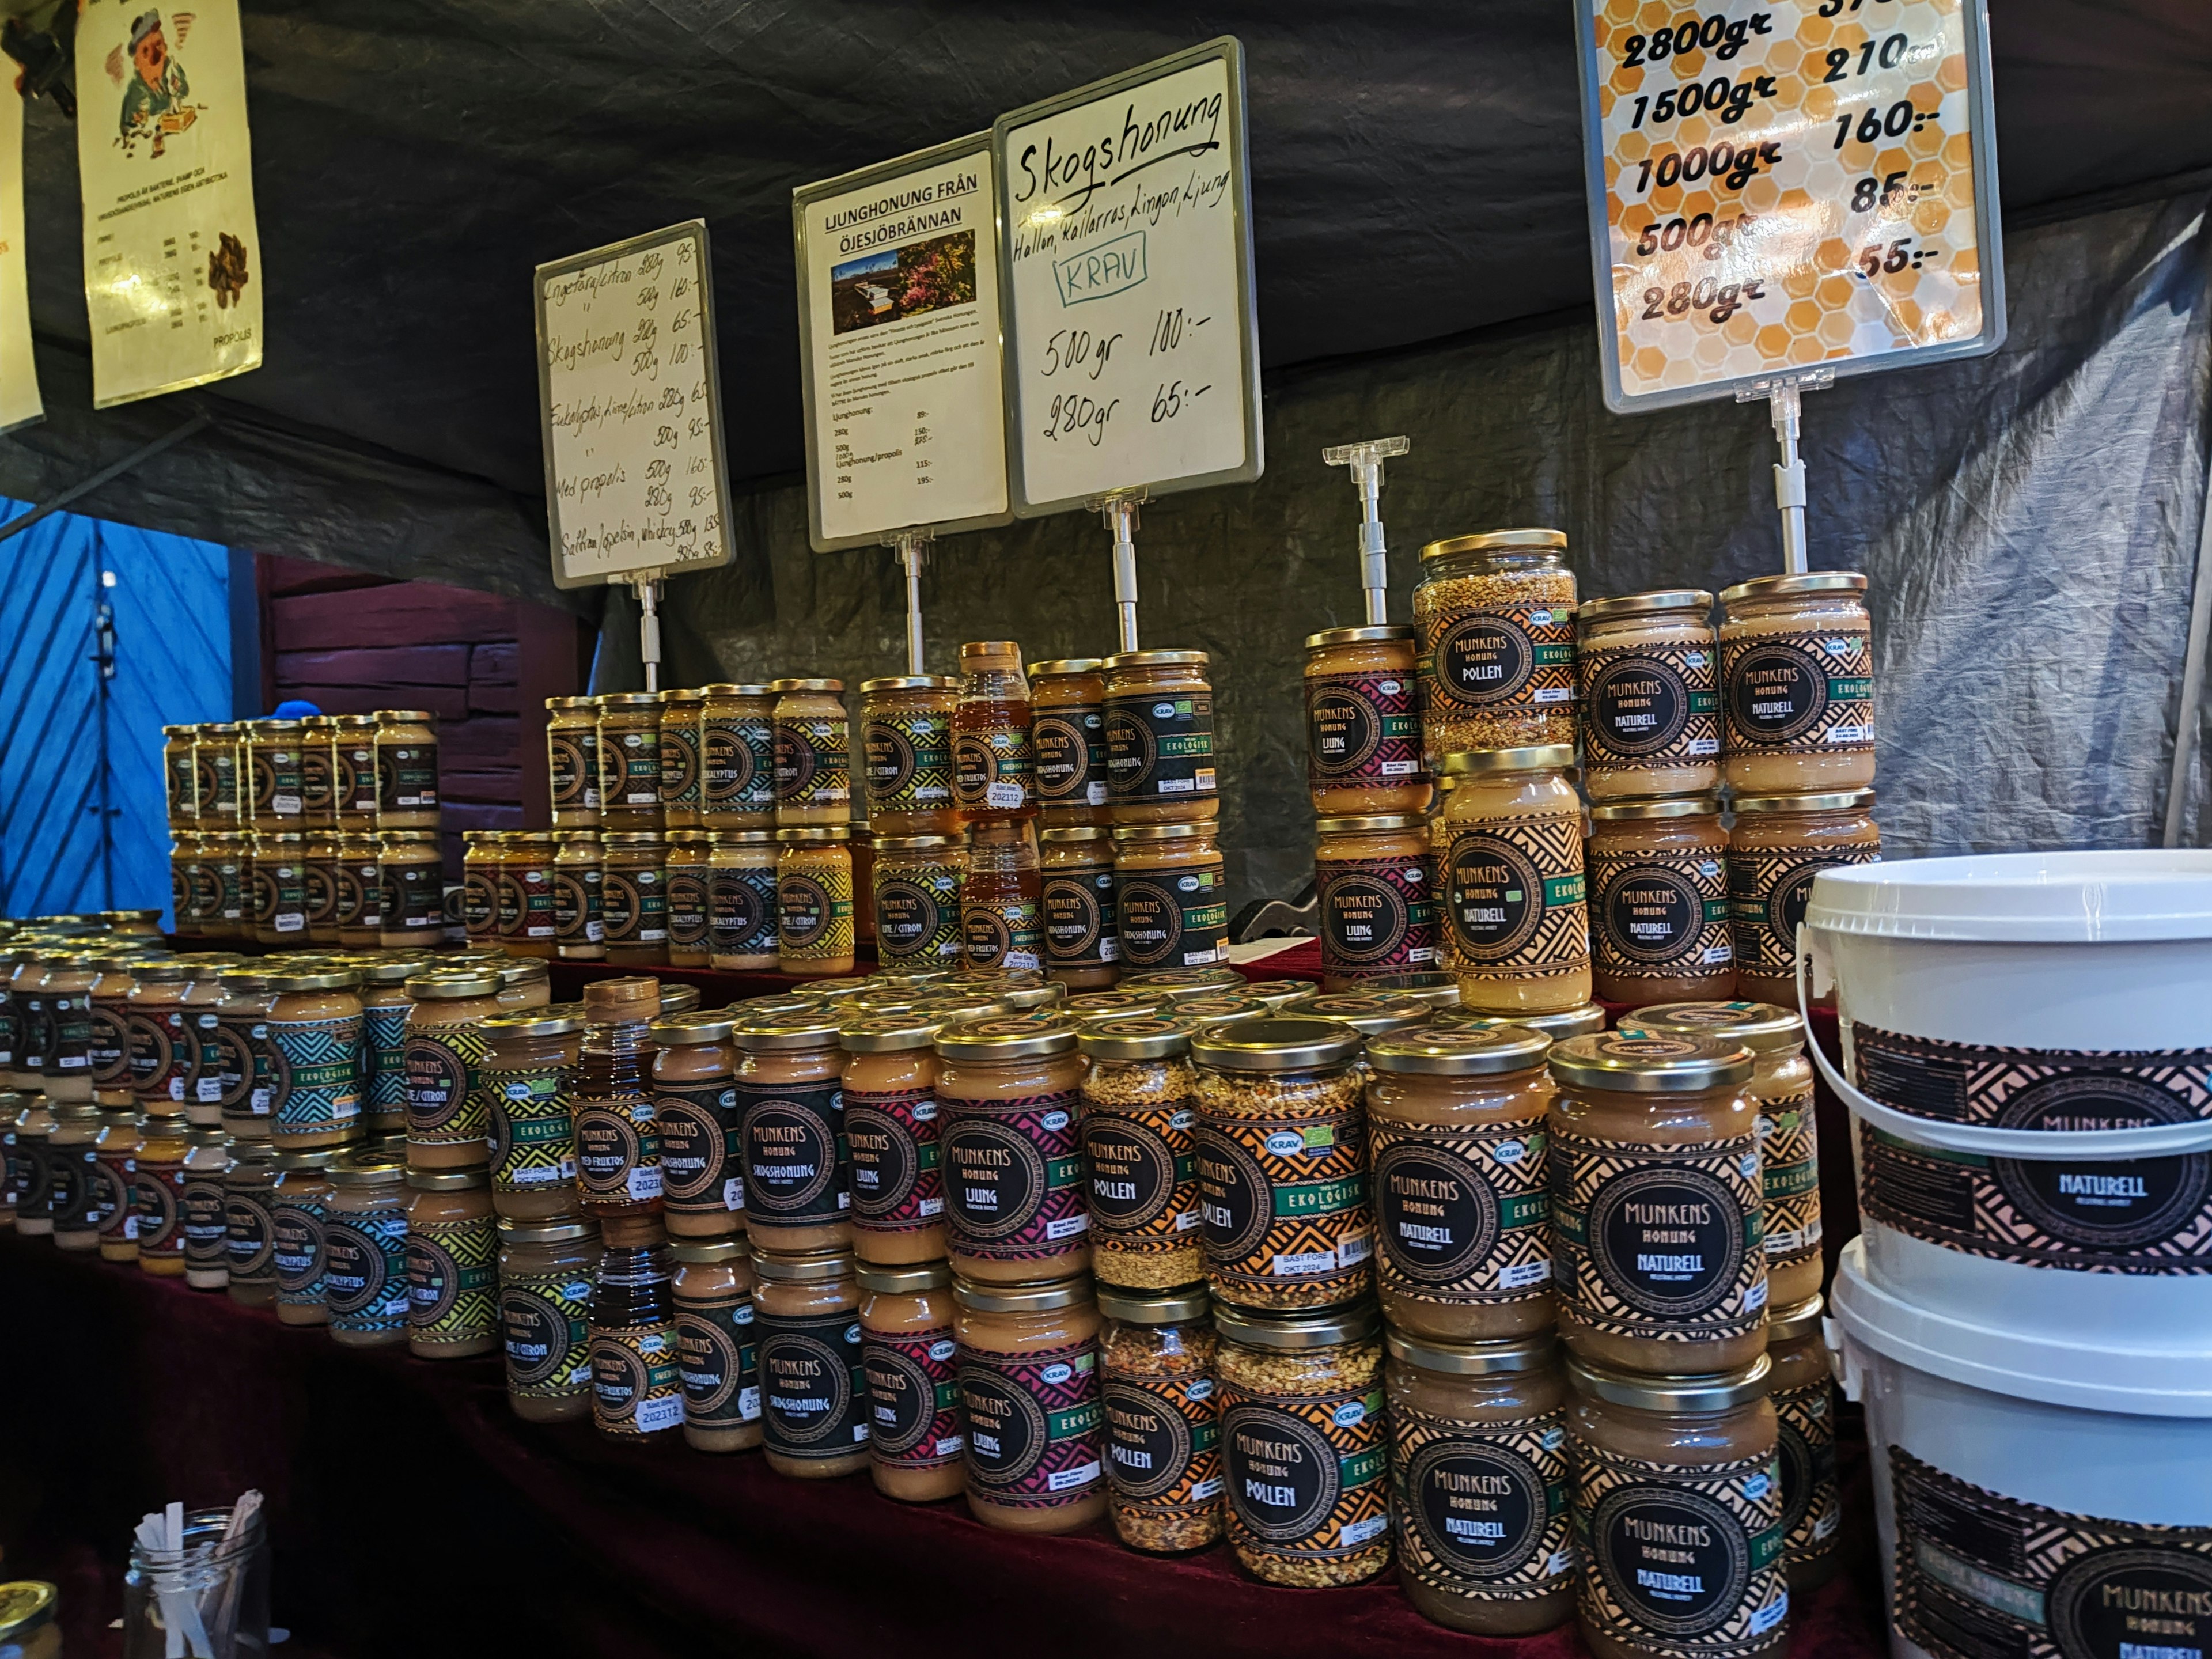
635, 480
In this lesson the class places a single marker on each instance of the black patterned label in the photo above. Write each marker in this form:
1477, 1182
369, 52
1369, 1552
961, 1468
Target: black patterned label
891, 1135
814, 911
573, 759
445, 1103
1283, 1203
1173, 918
1685, 1561
1363, 729
617, 1149
1032, 1421
1163, 1444
1514, 901
1377, 915
634, 906
1159, 747
1981, 1576
741, 915
910, 761
1013, 1176
1790, 1176
1768, 892
1812, 1510
1482, 1508
913, 1398
452, 1280
637, 1387
579, 911
1659, 914
1519, 656
679, 764
1143, 1165
1462, 1214
1079, 917
993, 769
1001, 929
814, 1384
544, 1323
700, 1156
1648, 706
687, 908
530, 1126
249, 1238
365, 1269
1071, 755
737, 753
1810, 693
719, 1358
813, 761
795, 1157
1308, 1475
297, 1231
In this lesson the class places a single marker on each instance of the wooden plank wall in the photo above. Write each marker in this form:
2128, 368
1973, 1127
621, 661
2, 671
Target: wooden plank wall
350, 643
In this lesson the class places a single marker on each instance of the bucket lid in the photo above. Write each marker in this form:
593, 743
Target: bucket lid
2025, 898
2092, 1374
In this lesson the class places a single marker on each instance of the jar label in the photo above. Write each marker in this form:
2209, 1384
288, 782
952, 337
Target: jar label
67, 1173
679, 765
917, 913
383, 1055
34, 1180
719, 1359
158, 1057
249, 1232
579, 917
913, 1398
1648, 706
445, 1099
452, 1280
1377, 915
741, 910
1159, 746
992, 768
636, 1386
202, 1084
1482, 1508
617, 1149
1283, 1205
525, 903
630, 764
910, 760
1143, 1161
204, 883
1308, 1475
69, 1051
897, 1186
406, 777
1013, 1176
359, 897
530, 1124
1657, 1242
1080, 929
687, 909
814, 911
795, 1157
206, 1239
544, 1323
1790, 1176
1808, 693
319, 884
1175, 918
1812, 1510
314, 1071
737, 753
108, 1201
1069, 739
317, 781
1519, 656
297, 1232
633, 907
1364, 730
1768, 892
813, 761
1163, 1444
276, 774
1659, 914
1979, 1574
357, 781
414, 894
573, 759
1683, 1561
1464, 1215
82, 1189
814, 1386
1002, 930
365, 1269
700, 1150
1514, 902
109, 1047
1033, 1421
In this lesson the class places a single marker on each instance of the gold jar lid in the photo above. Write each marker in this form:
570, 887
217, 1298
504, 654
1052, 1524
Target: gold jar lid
1113, 1004
536, 1022
911, 1280
1503, 541
1380, 634
1179, 1306
1799, 1319
556, 704
804, 1267
639, 838
816, 832
1281, 992
1022, 1298
450, 1181
1838, 800
546, 1233
1325, 1327
893, 1030
1537, 757
1217, 1006
521, 969
728, 688
1184, 982
809, 1025
805, 686
1369, 1015
406, 717
840, 989
919, 843
1275, 1042
1764, 1028
1672, 807
1473, 1051
419, 840
680, 694
688, 1030
1711, 1391
343, 722
1156, 659
749, 838
1025, 1034
1144, 832
705, 1250
1625, 1063
628, 699
271, 726
1370, 822
911, 683
1131, 1036
1653, 604
387, 970
319, 979
308, 1158
1050, 995
368, 1167
451, 984
1067, 665
25, 1606
1073, 832
1436, 989
1559, 1025
1519, 1354
1806, 581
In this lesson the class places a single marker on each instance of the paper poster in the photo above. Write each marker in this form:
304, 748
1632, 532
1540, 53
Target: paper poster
630, 397
1132, 356
1785, 186
898, 272
172, 276
19, 373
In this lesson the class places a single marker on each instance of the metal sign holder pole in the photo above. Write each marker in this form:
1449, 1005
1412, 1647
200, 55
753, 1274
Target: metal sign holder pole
913, 547
647, 584
1364, 462
1785, 406
1119, 510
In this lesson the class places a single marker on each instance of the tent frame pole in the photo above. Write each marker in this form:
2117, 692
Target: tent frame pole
2192, 677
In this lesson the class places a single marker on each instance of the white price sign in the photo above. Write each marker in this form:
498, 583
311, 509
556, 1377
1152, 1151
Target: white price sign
1788, 187
635, 482
898, 323
1132, 354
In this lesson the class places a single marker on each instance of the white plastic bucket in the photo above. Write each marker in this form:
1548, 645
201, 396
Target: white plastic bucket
2029, 1480
2028, 1044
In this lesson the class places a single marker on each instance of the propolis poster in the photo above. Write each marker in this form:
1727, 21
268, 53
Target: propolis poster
172, 274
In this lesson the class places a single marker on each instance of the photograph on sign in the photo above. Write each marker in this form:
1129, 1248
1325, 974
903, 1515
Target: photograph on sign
898, 342
1805, 186
629, 393
1133, 350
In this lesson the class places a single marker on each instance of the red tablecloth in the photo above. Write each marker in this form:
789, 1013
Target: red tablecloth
413, 1513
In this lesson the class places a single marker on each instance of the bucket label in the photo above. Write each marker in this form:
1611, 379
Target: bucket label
2151, 1215
1812, 1510
1649, 706
1660, 914
1684, 1560
1790, 1176
1768, 892
1464, 1214
1981, 1576
1660, 1242
1482, 1508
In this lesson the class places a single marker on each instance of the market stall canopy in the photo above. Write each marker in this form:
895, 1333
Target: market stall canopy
1417, 174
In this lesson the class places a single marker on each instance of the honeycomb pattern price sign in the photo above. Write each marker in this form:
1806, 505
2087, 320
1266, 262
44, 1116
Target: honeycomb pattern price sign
1788, 189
